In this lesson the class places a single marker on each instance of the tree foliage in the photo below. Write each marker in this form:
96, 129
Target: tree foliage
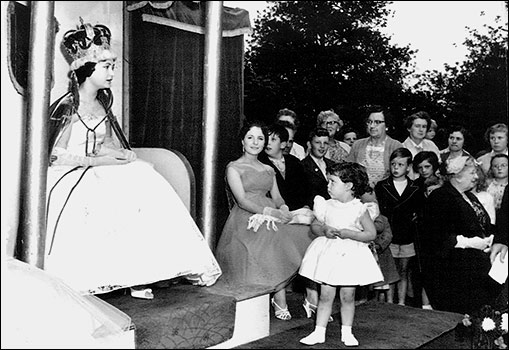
310, 56
474, 93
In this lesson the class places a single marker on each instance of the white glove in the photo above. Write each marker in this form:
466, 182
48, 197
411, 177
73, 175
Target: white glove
61, 157
490, 243
283, 214
473, 242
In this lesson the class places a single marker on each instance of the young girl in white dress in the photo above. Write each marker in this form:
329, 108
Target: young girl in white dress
112, 220
341, 256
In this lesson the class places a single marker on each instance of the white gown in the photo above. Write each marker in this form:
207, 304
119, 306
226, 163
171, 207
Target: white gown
39, 311
340, 262
119, 226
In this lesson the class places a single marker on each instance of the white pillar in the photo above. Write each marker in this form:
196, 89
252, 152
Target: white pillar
213, 37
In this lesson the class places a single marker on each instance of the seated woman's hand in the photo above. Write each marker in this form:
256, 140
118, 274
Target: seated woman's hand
285, 212
283, 215
129, 155
117, 153
108, 160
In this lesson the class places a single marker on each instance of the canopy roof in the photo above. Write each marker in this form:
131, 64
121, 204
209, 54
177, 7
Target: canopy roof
190, 16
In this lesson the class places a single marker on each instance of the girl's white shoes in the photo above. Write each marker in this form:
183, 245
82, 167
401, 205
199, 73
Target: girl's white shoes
349, 340
314, 338
318, 337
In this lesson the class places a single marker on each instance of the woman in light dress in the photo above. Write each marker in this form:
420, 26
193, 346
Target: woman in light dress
112, 220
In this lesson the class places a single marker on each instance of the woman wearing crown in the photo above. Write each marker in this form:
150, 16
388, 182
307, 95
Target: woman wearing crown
112, 221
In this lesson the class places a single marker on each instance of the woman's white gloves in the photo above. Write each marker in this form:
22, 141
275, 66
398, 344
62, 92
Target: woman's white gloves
114, 157
283, 213
474, 242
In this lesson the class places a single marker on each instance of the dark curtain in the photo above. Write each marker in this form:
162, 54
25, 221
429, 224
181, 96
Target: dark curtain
166, 98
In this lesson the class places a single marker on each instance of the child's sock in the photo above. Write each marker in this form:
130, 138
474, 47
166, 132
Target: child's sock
347, 337
317, 337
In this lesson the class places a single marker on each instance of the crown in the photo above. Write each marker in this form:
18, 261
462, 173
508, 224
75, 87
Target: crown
87, 44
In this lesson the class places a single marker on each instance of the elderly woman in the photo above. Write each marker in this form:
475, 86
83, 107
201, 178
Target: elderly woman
374, 151
456, 249
338, 150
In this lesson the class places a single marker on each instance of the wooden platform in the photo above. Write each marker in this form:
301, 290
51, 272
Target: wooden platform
181, 316
376, 326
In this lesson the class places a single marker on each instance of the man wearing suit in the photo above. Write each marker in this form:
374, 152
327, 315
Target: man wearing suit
315, 164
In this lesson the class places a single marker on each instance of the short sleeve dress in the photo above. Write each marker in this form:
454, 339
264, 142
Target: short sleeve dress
340, 262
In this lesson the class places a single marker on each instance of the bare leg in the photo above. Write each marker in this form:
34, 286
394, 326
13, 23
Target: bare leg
324, 310
382, 295
312, 295
402, 264
278, 301
326, 299
425, 301
280, 297
390, 293
347, 295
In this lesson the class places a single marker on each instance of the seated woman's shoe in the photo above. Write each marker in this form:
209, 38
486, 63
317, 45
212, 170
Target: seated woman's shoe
279, 312
311, 309
145, 293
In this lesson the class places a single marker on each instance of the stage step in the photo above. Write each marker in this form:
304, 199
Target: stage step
252, 318
181, 316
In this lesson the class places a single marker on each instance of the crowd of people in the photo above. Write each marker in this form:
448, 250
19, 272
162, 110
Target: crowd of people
342, 212
402, 222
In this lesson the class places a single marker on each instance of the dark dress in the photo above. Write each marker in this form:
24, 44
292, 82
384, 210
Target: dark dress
266, 257
501, 237
456, 279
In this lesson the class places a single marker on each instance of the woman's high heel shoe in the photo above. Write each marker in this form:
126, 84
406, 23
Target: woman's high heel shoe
311, 309
145, 293
279, 312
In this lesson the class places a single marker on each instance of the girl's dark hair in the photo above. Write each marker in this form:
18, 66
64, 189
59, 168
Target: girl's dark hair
402, 152
255, 123
420, 157
85, 71
354, 173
